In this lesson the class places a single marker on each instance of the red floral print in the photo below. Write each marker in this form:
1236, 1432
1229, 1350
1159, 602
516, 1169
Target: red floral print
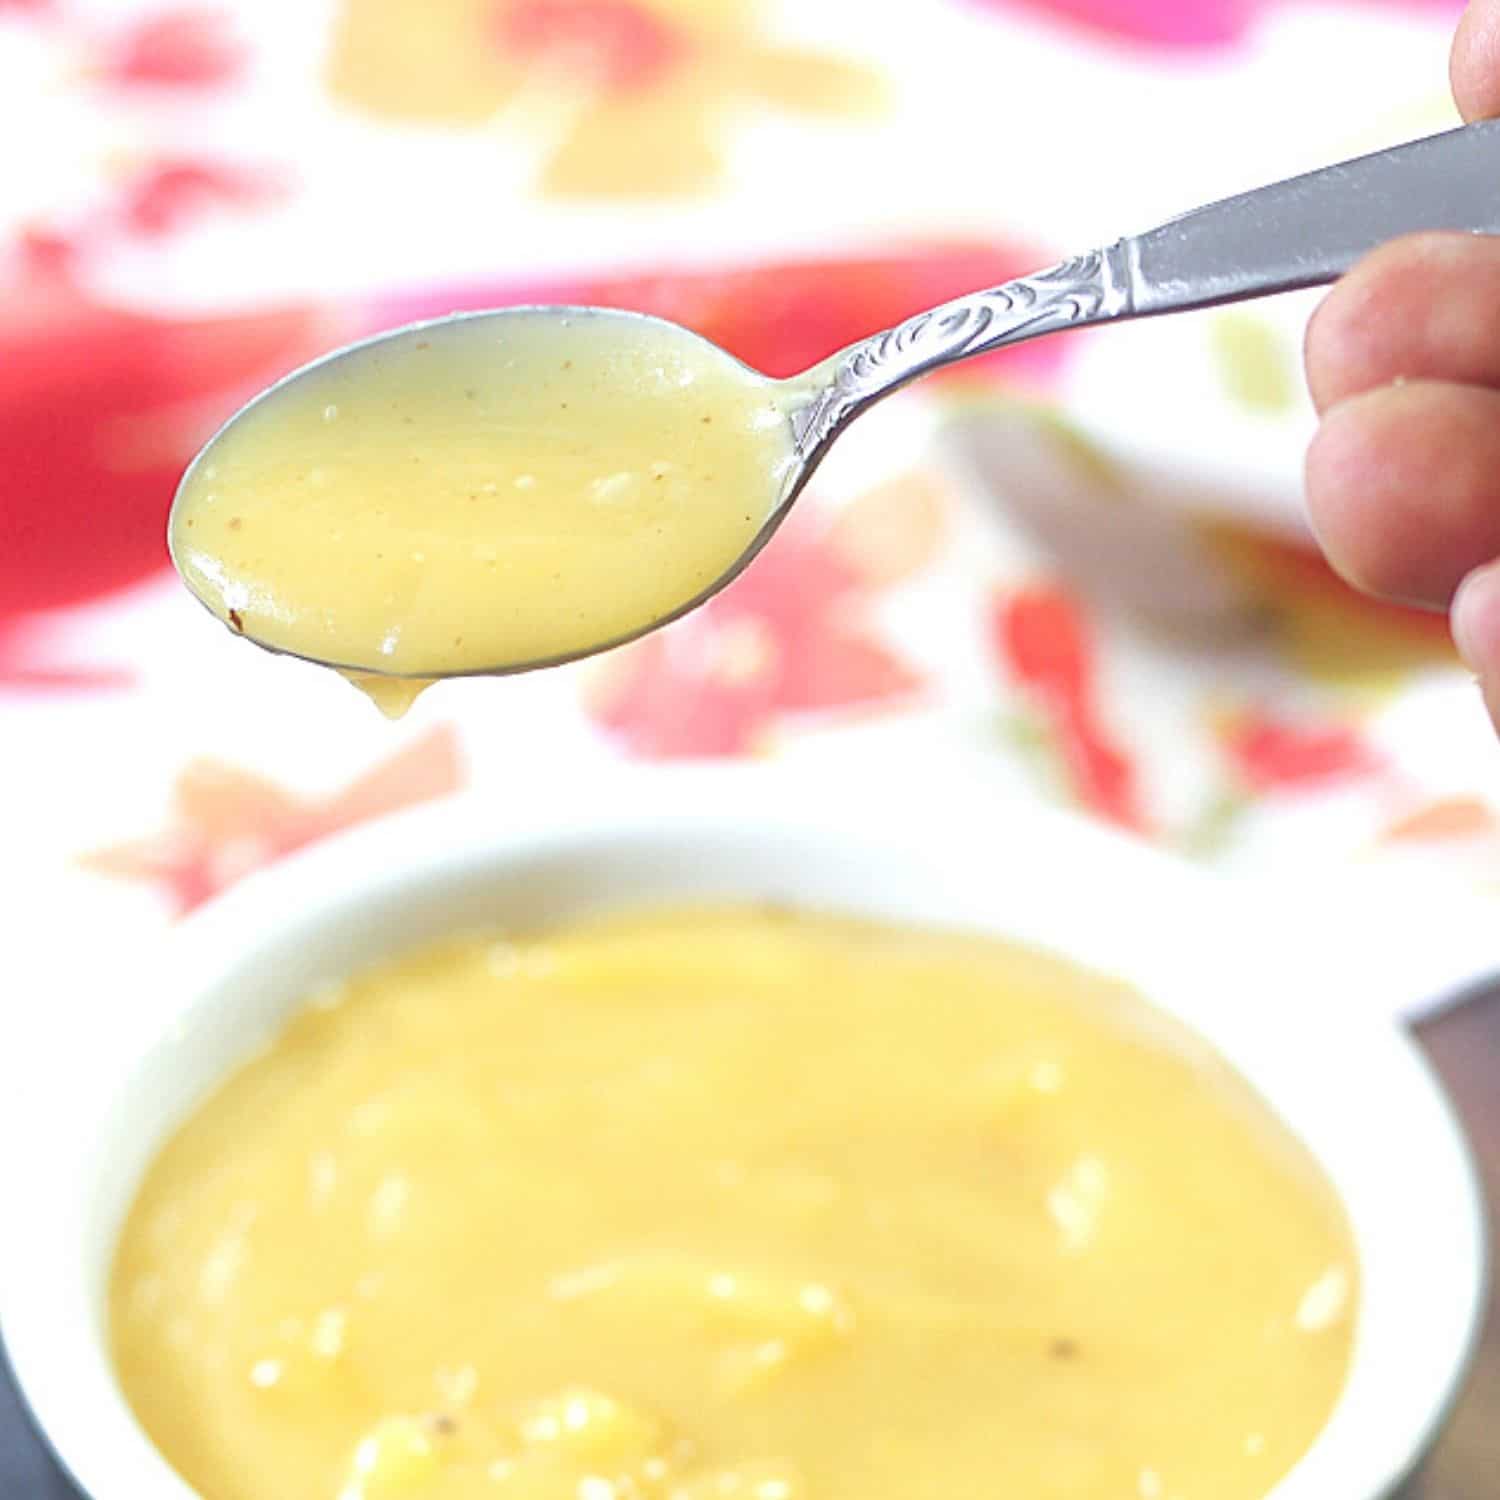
185, 48
1047, 646
789, 637
783, 316
624, 46
166, 195
227, 822
1269, 753
100, 409
1175, 23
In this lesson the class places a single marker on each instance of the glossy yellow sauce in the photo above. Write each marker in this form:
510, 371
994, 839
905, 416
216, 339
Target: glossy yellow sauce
732, 1205
482, 495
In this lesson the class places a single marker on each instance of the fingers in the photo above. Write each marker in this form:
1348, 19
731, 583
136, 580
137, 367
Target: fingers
1426, 307
1404, 488
1474, 66
1403, 360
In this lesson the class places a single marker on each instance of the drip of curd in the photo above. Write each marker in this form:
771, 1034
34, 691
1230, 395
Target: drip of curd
482, 494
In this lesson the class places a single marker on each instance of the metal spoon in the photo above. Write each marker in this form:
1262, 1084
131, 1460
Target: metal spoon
1303, 232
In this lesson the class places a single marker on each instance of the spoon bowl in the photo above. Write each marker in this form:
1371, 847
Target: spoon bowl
496, 434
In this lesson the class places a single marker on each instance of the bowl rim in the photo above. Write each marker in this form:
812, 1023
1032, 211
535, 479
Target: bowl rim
50, 1321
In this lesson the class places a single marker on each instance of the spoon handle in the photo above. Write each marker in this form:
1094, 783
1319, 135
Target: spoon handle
1305, 231
1309, 230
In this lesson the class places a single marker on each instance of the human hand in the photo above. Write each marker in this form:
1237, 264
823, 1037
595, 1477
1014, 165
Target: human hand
1403, 361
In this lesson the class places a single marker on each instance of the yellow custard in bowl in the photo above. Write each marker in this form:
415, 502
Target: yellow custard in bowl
733, 1204
481, 494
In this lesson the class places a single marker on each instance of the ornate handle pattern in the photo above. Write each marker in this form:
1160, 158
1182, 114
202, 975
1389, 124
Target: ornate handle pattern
1085, 289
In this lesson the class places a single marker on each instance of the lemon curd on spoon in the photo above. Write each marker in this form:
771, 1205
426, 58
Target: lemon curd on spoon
733, 1205
482, 494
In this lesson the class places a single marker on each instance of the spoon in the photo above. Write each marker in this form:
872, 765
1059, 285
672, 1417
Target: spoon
1303, 232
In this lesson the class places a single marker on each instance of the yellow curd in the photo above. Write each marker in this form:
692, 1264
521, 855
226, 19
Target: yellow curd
482, 495
732, 1205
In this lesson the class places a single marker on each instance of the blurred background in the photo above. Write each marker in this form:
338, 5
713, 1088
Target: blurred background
1077, 571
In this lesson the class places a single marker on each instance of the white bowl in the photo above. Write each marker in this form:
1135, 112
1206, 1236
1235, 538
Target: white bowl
1346, 1079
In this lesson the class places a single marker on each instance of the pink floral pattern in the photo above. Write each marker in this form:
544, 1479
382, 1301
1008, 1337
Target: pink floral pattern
626, 47
228, 822
1048, 647
781, 315
653, 90
100, 409
190, 48
1175, 23
1271, 753
168, 194
792, 637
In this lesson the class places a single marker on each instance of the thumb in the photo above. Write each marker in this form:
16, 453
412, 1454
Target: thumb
1474, 66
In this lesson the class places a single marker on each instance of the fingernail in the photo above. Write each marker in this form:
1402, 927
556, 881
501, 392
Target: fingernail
1475, 616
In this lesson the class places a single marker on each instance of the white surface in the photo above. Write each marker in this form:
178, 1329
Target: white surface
1341, 1074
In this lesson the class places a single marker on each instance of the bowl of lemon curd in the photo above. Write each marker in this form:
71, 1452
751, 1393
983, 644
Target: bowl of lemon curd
704, 1136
